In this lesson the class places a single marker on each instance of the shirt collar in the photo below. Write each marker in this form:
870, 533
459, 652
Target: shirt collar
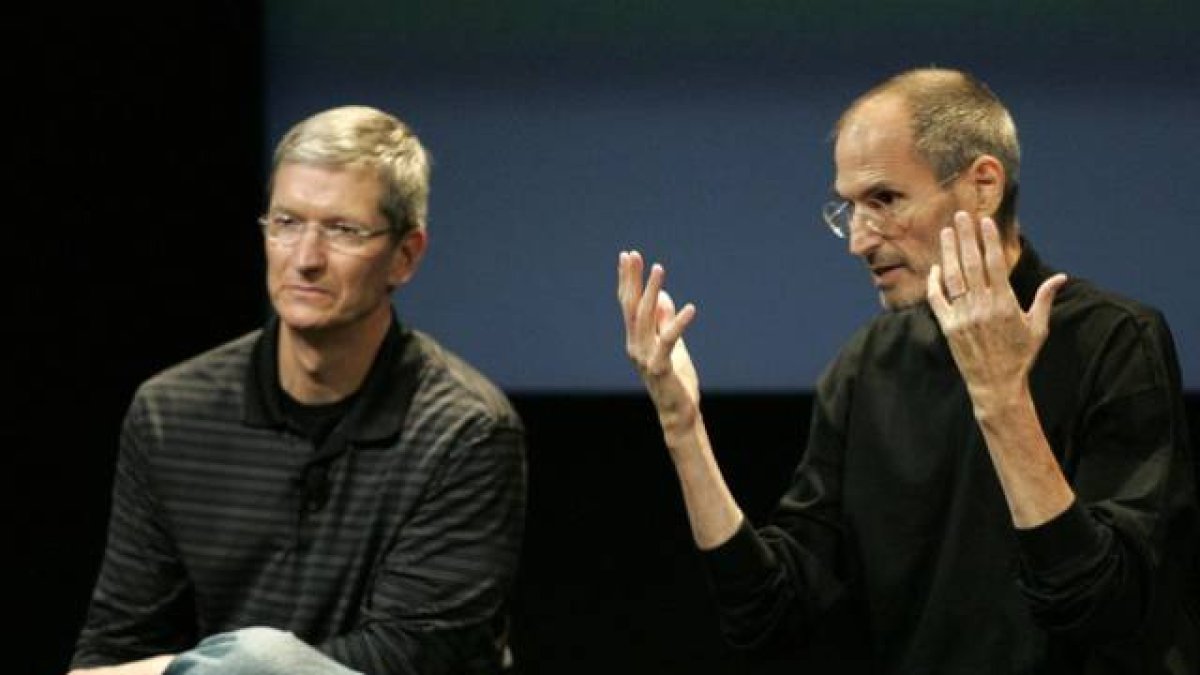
1028, 274
378, 411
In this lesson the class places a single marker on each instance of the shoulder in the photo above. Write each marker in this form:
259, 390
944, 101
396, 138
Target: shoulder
1082, 304
1105, 333
1092, 322
215, 375
449, 389
1083, 312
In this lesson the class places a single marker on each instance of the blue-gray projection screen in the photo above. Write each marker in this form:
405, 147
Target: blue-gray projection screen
697, 133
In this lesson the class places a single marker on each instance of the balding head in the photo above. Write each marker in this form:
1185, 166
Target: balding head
954, 119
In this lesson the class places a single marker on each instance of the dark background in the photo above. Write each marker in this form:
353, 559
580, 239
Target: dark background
139, 136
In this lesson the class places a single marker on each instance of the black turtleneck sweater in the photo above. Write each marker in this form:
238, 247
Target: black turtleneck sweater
895, 518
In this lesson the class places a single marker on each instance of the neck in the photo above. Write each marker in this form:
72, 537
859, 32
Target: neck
318, 367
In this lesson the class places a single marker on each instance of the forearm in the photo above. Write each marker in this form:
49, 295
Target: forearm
1033, 483
392, 647
1082, 578
439, 594
1078, 574
712, 512
142, 604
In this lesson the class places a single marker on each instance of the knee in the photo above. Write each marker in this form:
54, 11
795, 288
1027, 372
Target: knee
259, 650
265, 644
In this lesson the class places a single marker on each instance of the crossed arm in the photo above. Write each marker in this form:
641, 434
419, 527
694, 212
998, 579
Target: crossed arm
424, 611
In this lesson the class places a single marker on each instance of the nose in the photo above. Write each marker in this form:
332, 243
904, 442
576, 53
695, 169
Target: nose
863, 238
309, 251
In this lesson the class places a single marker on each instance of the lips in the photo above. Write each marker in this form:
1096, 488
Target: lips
306, 291
883, 274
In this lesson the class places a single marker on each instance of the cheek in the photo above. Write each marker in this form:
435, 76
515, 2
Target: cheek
278, 264
927, 254
274, 268
364, 283
926, 249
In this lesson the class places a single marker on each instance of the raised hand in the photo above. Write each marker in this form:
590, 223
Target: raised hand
994, 341
653, 341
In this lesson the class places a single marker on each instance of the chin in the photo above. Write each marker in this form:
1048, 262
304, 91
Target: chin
301, 320
896, 299
303, 327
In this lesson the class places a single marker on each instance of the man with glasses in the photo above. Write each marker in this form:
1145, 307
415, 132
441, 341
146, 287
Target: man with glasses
335, 493
997, 477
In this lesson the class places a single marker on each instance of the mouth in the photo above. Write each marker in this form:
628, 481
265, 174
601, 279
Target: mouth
886, 275
306, 291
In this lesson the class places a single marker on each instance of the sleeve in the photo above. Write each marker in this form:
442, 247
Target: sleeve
442, 587
1110, 566
142, 603
780, 579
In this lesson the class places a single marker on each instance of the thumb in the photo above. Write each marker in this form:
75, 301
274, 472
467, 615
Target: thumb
1039, 312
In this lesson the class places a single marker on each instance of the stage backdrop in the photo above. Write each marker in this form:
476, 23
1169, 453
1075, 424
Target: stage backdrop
697, 133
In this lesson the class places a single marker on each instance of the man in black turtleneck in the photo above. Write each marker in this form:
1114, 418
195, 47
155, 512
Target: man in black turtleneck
997, 477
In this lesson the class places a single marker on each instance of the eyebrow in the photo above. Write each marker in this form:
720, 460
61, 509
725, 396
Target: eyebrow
877, 186
292, 213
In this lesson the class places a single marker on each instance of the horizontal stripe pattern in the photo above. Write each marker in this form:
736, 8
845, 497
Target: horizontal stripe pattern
404, 568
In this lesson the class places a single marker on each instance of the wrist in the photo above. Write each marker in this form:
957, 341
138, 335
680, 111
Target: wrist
999, 406
679, 422
681, 428
678, 413
684, 435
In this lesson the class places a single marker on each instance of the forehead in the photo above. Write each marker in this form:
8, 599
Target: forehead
875, 146
312, 186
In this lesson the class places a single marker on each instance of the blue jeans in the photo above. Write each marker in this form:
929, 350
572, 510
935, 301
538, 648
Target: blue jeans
255, 651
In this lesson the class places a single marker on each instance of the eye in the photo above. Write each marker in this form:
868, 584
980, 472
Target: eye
282, 222
346, 232
881, 200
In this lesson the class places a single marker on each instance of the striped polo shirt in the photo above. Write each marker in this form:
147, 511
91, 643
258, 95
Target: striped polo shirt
390, 545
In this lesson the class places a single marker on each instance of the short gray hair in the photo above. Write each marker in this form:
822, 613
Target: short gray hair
364, 136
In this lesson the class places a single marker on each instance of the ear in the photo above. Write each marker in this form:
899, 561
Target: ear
986, 179
406, 257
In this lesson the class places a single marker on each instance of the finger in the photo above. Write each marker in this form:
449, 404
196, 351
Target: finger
993, 252
671, 330
1043, 300
628, 275
622, 262
969, 252
670, 333
933, 292
648, 303
666, 315
622, 274
629, 285
664, 311
951, 275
